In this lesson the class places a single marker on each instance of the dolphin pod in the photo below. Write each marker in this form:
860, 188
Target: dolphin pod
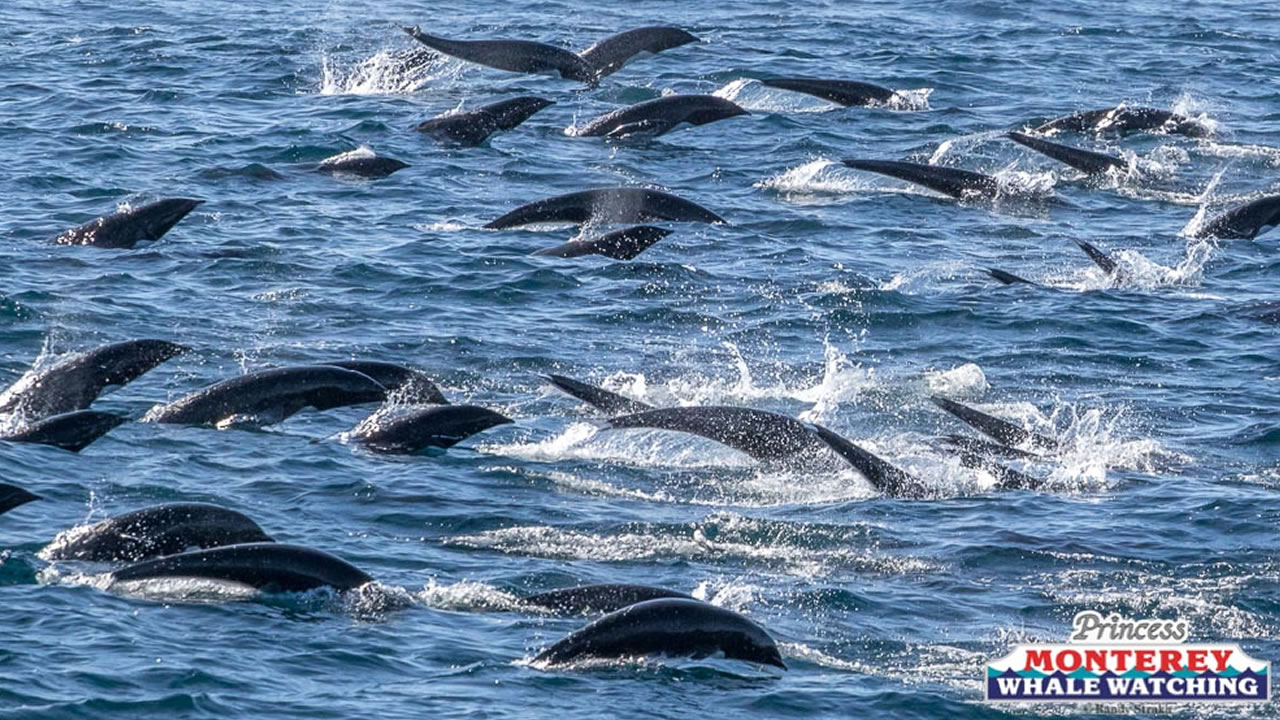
607, 205
153, 532
266, 566
1124, 119
668, 626
602, 598
1244, 222
843, 92
1086, 161
661, 115
270, 396
73, 431
959, 184
475, 126
623, 244
441, 426
127, 228
12, 496
524, 56
73, 383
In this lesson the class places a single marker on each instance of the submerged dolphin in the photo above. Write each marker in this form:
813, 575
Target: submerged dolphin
844, 92
607, 205
623, 244
270, 396
155, 531
407, 385
1245, 221
959, 184
127, 228
73, 431
610, 54
1086, 161
1007, 278
597, 397
361, 162
1124, 119
269, 566
12, 496
522, 56
475, 126
442, 427
1001, 430
667, 627
604, 598
74, 382
661, 115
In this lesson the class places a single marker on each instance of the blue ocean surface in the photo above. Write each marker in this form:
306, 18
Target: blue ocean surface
836, 296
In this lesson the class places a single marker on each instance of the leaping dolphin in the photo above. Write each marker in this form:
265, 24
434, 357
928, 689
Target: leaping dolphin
155, 531
405, 384
441, 426
597, 397
125, 229
610, 54
271, 567
660, 116
475, 126
1002, 430
843, 92
1125, 119
959, 184
73, 431
623, 244
607, 205
1086, 161
522, 56
1244, 222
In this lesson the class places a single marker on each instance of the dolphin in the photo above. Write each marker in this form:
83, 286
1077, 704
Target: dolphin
843, 92
11, 496
361, 162
1007, 278
669, 626
475, 126
73, 431
610, 54
1086, 161
965, 444
270, 396
597, 397
155, 531
661, 115
127, 228
268, 566
520, 56
405, 384
1008, 478
442, 427
1100, 258
74, 382
959, 184
607, 205
623, 244
761, 434
590, 599
1245, 222
883, 477
1001, 430
1123, 119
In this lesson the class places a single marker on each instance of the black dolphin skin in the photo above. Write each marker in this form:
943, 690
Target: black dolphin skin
597, 397
661, 115
1008, 479
1007, 278
271, 567
669, 626
74, 382
155, 531
603, 598
623, 244
361, 164
73, 431
522, 56
610, 54
1001, 430
843, 92
125, 229
418, 429
407, 385
475, 126
1245, 222
607, 205
270, 396
1086, 161
12, 496
966, 444
882, 476
1100, 258
959, 184
1124, 119
761, 434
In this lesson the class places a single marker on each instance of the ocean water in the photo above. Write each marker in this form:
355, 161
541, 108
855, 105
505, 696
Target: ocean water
836, 296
